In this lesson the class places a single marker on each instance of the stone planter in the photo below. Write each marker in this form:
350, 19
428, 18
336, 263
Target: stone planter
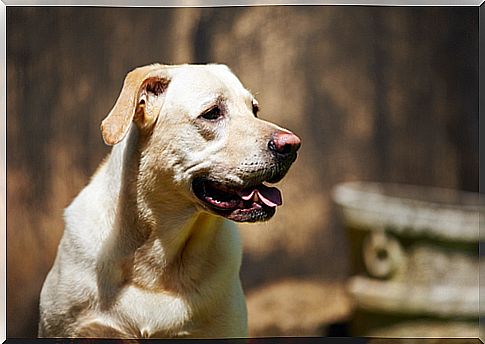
414, 254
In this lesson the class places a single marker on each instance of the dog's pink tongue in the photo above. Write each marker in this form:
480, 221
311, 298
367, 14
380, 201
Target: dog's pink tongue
269, 195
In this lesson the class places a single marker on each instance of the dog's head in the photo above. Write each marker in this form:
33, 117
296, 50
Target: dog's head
204, 142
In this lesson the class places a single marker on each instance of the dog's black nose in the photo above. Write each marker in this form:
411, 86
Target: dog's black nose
284, 143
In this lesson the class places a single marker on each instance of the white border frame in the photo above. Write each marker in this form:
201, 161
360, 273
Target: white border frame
231, 3
142, 3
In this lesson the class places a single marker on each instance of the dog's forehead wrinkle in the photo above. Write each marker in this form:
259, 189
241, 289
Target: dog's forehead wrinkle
195, 101
210, 80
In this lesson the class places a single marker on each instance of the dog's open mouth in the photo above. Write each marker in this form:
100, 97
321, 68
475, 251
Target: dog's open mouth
250, 204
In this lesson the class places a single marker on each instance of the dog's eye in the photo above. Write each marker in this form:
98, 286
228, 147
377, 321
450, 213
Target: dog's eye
212, 114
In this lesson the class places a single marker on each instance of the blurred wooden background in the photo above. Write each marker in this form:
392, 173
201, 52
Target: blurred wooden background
375, 93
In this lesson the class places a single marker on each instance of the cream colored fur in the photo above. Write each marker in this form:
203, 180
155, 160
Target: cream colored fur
140, 256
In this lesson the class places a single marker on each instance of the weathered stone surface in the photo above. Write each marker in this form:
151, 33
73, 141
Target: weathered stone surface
415, 254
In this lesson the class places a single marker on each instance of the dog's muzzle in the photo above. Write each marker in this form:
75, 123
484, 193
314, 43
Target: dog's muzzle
254, 200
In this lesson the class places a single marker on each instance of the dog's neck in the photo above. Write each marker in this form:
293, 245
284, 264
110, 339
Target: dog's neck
146, 242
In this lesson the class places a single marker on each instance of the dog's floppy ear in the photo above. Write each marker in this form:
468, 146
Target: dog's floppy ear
141, 85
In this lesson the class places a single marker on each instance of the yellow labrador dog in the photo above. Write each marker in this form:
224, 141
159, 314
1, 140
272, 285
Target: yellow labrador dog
147, 250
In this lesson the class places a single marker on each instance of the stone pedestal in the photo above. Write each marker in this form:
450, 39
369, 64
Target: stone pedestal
414, 257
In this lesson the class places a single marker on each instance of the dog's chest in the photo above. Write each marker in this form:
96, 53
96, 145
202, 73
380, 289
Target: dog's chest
150, 313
